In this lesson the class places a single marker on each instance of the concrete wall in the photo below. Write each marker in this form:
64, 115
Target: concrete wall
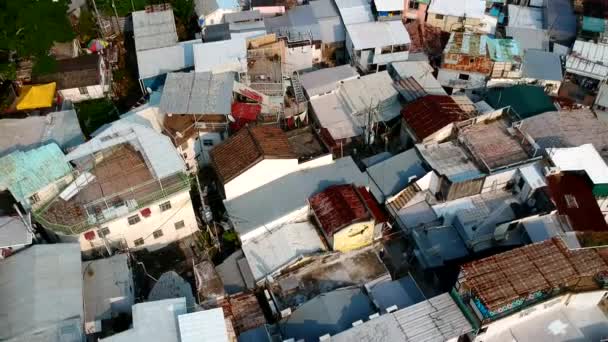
93, 92
450, 78
181, 210
450, 23
354, 236
217, 16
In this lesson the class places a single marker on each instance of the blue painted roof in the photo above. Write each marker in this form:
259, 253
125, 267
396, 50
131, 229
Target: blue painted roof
228, 4
25, 173
401, 292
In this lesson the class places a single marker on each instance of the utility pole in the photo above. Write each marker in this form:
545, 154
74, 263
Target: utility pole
27, 222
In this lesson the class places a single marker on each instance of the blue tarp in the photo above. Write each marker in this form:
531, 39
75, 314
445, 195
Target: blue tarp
593, 24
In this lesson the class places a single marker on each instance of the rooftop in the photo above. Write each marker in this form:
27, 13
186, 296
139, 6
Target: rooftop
449, 159
242, 310
524, 100
492, 145
328, 313
76, 72
305, 143
25, 173
44, 297
337, 207
332, 115
13, 232
373, 90
268, 204
221, 56
242, 16
248, 147
153, 30
355, 11
431, 113
525, 17
529, 38
326, 273
567, 129
269, 253
216, 32
402, 293
504, 50
422, 73
107, 289
436, 319
207, 325
542, 65
159, 61
588, 59
392, 175
377, 34
326, 80
581, 158
505, 281
459, 8
470, 44
197, 93
573, 197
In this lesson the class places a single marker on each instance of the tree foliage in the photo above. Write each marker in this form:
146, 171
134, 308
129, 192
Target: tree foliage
29, 27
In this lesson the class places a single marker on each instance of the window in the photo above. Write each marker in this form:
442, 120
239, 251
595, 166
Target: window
413, 4
439, 16
515, 67
471, 60
165, 206
463, 77
138, 242
157, 233
134, 219
34, 199
207, 142
400, 48
83, 91
386, 49
179, 224
103, 232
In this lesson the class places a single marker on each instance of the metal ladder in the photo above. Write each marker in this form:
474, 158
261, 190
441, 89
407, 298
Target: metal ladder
297, 88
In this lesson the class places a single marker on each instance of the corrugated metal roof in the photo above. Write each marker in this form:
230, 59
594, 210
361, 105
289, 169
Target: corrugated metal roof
337, 207
325, 80
542, 65
422, 72
331, 114
154, 62
222, 56
242, 16
274, 250
157, 149
25, 173
373, 90
41, 288
588, 59
392, 175
430, 113
388, 5
355, 11
61, 128
13, 232
458, 8
207, 325
153, 321
377, 34
152, 30
471, 44
529, 38
525, 17
197, 93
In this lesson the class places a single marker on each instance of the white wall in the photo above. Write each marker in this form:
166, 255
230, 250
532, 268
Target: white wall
94, 92
181, 209
449, 78
389, 57
217, 17
299, 58
195, 153
262, 173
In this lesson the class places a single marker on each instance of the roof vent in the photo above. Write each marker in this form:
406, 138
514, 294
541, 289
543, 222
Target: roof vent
356, 323
391, 309
376, 315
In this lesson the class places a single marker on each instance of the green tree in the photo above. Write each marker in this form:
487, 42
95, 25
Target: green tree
29, 27
87, 29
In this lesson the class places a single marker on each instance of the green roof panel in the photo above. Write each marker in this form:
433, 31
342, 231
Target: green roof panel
525, 100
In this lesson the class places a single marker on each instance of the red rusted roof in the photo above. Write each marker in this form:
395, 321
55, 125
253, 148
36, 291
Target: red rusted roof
431, 113
337, 207
573, 197
246, 148
377, 212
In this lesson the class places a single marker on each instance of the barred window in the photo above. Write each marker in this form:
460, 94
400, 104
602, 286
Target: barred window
138, 242
179, 225
134, 219
165, 206
157, 233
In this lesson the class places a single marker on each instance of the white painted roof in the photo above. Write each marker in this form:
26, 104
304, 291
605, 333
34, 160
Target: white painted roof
154, 62
207, 326
525, 17
581, 158
389, 5
377, 34
355, 11
458, 8
221, 56
272, 251
331, 115
588, 59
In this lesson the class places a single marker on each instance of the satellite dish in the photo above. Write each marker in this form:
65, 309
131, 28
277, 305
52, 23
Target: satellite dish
231, 118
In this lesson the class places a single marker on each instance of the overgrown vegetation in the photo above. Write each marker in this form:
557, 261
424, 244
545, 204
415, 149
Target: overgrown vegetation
94, 114
29, 28
87, 28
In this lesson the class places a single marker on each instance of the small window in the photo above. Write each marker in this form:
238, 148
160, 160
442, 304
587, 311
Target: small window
103, 232
165, 206
134, 219
179, 224
34, 199
463, 77
439, 16
157, 233
207, 142
571, 201
83, 91
413, 4
471, 60
138, 242
461, 19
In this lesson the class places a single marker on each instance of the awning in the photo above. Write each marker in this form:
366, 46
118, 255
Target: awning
36, 96
591, 24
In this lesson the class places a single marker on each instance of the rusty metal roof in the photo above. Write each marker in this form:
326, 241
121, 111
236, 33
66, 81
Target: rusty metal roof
431, 113
338, 207
247, 148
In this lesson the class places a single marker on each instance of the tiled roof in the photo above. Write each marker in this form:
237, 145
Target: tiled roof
247, 148
502, 279
431, 113
573, 197
337, 207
